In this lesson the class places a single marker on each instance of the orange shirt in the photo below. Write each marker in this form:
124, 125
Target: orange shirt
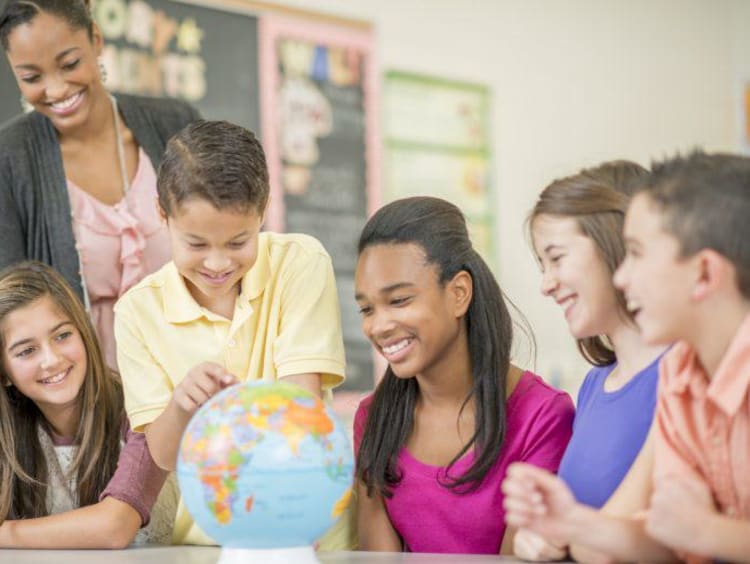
703, 424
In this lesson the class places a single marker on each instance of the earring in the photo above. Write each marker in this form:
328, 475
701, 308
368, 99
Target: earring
25, 106
102, 71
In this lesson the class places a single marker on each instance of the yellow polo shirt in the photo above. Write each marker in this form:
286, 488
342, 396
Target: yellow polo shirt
286, 321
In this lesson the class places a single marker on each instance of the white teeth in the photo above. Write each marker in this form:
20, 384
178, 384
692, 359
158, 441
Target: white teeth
67, 103
393, 349
55, 379
633, 306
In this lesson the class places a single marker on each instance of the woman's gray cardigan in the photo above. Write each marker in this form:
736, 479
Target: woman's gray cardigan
35, 215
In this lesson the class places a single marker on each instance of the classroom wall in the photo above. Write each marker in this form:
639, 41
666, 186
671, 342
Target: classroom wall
740, 16
574, 82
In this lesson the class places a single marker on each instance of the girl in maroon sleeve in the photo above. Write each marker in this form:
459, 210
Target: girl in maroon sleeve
72, 475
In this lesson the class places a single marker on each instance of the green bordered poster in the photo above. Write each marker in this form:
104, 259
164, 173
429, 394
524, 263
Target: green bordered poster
437, 143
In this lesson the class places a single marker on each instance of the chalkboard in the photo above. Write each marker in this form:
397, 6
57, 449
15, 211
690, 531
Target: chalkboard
206, 56
319, 133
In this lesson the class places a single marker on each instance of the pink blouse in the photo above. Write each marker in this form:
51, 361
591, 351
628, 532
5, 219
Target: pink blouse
118, 245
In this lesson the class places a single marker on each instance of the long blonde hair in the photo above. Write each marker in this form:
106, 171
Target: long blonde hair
23, 467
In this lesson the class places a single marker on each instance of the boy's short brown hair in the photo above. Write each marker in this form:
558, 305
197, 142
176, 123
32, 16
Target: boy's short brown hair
705, 201
216, 161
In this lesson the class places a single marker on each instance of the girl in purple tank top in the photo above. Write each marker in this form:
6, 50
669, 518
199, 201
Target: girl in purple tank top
451, 412
576, 230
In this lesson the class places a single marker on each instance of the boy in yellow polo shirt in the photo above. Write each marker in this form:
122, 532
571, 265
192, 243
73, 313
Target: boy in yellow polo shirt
234, 304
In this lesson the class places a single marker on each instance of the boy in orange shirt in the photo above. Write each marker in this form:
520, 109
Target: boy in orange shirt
687, 279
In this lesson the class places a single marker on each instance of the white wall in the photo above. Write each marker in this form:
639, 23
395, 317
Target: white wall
574, 82
740, 15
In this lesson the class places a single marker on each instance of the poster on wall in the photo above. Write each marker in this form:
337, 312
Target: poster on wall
437, 144
319, 124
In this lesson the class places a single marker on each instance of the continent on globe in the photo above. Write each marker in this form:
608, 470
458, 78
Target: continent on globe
265, 465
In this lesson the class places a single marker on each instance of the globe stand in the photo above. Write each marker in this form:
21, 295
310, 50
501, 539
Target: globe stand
297, 554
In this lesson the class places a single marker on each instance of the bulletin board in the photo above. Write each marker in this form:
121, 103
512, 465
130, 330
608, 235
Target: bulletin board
319, 93
437, 144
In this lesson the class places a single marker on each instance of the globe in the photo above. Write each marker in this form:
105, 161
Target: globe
265, 466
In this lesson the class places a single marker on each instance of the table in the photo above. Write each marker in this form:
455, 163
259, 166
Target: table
209, 555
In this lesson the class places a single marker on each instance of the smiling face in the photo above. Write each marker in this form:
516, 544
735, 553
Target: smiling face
213, 249
416, 323
56, 69
45, 359
575, 276
656, 281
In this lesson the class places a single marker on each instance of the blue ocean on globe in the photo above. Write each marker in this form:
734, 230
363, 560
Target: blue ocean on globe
265, 465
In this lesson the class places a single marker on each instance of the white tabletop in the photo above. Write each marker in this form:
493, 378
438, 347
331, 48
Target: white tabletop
210, 555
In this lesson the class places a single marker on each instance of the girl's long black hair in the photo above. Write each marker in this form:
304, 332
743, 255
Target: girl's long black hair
439, 228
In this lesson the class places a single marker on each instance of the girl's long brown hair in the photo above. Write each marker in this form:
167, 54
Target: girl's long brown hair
597, 199
23, 468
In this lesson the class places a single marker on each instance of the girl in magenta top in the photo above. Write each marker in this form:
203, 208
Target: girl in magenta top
451, 412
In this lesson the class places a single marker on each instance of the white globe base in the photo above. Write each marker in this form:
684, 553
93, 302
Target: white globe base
295, 555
